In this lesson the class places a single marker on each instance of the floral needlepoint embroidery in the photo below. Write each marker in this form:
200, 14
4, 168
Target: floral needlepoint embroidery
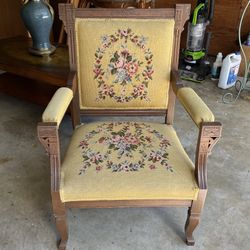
125, 77
152, 167
125, 147
98, 168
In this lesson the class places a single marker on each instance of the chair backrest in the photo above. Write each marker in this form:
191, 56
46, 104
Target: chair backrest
124, 57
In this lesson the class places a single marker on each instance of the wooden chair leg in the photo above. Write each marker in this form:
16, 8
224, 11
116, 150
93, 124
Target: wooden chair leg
193, 218
61, 220
62, 228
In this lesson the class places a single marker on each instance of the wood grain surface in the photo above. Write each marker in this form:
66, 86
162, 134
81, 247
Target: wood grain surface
224, 26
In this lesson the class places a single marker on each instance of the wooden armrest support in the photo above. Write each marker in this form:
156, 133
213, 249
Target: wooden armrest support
74, 107
209, 135
48, 136
176, 81
71, 81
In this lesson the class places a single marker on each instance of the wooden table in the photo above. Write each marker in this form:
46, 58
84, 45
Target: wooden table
30, 77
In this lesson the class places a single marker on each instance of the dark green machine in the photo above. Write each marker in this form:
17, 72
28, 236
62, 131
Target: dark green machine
194, 65
197, 40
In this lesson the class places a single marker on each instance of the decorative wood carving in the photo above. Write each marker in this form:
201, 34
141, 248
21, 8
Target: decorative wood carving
48, 136
74, 107
182, 13
67, 16
209, 135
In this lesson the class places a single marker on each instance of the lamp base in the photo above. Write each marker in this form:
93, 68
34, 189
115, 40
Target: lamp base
42, 52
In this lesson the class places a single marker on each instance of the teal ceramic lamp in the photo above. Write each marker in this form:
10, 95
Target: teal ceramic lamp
38, 17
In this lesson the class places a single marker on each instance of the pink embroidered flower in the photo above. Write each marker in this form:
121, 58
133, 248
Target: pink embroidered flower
95, 158
125, 53
150, 73
155, 156
106, 90
120, 63
132, 68
97, 71
131, 139
139, 90
98, 168
165, 143
141, 87
152, 167
83, 144
116, 138
125, 166
124, 33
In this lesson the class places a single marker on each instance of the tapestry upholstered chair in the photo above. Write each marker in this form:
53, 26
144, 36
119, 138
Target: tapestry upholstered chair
124, 62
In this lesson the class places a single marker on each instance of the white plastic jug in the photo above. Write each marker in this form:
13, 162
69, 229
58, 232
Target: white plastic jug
229, 70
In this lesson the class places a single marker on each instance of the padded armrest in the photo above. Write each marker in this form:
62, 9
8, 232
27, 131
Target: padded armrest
57, 106
194, 105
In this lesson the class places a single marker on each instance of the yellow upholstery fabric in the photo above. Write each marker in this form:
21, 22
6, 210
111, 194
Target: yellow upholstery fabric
126, 160
194, 105
124, 63
57, 106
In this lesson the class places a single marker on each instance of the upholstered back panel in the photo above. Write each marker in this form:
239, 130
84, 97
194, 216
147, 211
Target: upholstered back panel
124, 63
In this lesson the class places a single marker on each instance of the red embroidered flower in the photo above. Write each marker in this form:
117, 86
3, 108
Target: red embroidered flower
98, 168
152, 167
132, 68
83, 144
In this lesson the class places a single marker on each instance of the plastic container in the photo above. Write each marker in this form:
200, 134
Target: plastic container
216, 69
229, 70
196, 34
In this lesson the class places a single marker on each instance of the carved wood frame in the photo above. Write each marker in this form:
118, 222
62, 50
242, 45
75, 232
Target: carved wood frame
68, 14
209, 134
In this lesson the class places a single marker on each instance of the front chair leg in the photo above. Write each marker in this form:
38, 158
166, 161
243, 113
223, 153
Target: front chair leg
62, 228
193, 218
60, 215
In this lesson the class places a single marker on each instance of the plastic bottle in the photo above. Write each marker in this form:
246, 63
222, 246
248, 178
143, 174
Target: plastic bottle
216, 69
229, 70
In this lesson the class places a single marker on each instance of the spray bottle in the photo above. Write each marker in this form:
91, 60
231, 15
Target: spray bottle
216, 69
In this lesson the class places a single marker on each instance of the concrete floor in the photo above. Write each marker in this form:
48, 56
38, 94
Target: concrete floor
25, 213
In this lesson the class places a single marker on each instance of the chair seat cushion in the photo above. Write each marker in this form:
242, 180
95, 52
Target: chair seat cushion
126, 161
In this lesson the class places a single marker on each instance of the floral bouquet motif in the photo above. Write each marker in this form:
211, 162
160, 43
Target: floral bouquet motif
131, 74
124, 67
120, 143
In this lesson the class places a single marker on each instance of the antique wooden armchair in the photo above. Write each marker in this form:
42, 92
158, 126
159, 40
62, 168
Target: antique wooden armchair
124, 62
